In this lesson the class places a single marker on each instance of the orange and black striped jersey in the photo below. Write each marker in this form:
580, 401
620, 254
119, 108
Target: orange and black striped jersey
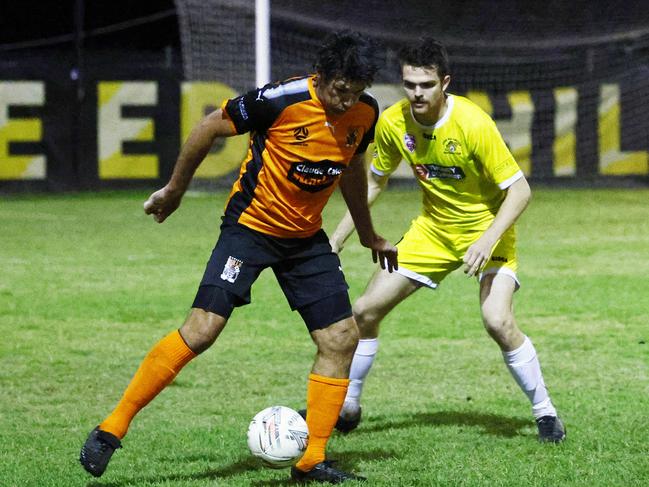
296, 156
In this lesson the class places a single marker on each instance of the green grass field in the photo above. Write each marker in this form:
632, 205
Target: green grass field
88, 284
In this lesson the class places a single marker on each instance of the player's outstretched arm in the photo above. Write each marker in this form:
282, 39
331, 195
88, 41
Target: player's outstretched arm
164, 202
517, 198
375, 185
353, 185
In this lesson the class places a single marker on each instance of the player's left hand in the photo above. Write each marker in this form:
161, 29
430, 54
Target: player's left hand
476, 257
384, 253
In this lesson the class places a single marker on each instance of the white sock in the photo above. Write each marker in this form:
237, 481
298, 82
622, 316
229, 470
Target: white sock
361, 365
525, 367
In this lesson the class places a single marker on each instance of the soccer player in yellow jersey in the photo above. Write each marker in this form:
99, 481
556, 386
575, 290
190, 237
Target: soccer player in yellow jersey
308, 135
473, 193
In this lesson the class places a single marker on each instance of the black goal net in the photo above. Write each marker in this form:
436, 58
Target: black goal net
566, 82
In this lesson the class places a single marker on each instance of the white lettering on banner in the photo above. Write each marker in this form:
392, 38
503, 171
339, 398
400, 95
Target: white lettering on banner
517, 131
612, 160
21, 93
564, 147
198, 98
19, 129
113, 129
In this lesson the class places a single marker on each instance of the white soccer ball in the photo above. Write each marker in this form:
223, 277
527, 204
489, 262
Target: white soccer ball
278, 436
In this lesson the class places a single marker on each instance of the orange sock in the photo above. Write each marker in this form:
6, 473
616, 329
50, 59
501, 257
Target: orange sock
324, 399
156, 371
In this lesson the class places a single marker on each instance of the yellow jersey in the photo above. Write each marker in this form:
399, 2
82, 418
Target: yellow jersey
461, 163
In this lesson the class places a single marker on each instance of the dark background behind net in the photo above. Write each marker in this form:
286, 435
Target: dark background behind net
496, 47
546, 42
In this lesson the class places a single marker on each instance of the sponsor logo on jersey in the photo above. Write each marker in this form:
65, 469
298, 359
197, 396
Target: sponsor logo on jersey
314, 176
429, 136
242, 109
435, 171
452, 146
498, 259
231, 269
409, 141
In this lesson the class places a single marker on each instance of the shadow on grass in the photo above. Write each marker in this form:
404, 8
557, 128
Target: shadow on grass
491, 424
246, 466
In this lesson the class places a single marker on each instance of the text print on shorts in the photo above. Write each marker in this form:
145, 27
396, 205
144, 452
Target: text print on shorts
231, 269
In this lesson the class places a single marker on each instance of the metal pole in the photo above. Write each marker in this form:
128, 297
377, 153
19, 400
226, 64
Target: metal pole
77, 71
77, 76
262, 41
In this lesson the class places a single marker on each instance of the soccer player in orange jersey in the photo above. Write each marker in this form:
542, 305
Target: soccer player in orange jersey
308, 135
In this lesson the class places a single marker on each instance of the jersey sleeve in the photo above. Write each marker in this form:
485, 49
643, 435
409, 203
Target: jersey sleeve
251, 111
490, 149
387, 155
368, 138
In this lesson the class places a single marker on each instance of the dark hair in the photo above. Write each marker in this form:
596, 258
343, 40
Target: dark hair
427, 52
348, 55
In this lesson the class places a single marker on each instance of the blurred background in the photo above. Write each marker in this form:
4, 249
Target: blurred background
101, 94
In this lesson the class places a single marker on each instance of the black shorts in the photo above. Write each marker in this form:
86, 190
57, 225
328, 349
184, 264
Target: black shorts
308, 272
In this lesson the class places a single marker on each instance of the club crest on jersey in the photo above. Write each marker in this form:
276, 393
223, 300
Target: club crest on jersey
452, 146
231, 269
409, 141
352, 136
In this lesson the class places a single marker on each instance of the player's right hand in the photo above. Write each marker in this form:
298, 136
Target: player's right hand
477, 256
162, 203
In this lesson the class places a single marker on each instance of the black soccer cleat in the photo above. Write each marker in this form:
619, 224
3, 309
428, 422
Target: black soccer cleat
343, 425
551, 429
323, 472
97, 450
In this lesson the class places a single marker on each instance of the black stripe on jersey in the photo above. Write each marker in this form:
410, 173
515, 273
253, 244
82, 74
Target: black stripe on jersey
242, 199
258, 109
369, 135
371, 101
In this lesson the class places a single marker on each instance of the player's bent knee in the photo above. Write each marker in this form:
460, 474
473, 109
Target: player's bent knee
367, 316
494, 323
495, 316
499, 325
201, 329
340, 338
